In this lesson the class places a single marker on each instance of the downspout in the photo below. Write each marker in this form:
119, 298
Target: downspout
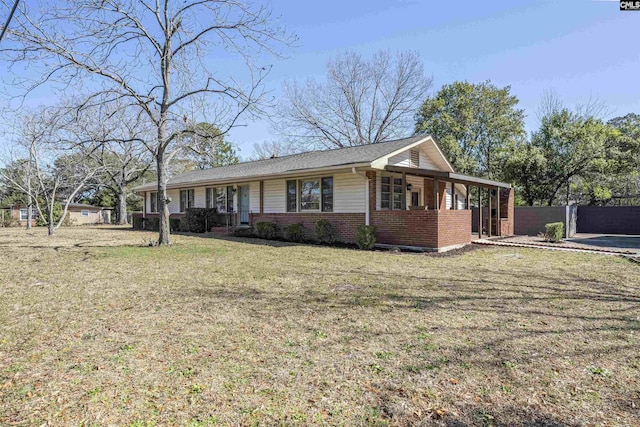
366, 194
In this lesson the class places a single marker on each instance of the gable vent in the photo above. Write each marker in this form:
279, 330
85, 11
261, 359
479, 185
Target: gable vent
414, 159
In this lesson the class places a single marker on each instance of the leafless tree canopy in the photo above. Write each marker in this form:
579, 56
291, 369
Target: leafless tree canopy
269, 149
41, 180
166, 58
360, 102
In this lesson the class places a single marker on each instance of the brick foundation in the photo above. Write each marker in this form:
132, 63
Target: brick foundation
344, 224
422, 228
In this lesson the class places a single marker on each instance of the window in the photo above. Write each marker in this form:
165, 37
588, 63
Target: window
24, 216
398, 194
391, 193
154, 201
210, 197
414, 158
84, 212
327, 194
310, 195
229, 198
292, 199
186, 199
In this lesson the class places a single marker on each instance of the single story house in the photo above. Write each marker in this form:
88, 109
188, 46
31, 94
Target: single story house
406, 188
78, 214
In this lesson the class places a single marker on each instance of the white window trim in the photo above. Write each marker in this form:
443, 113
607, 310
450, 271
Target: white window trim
298, 210
391, 184
151, 196
193, 205
84, 213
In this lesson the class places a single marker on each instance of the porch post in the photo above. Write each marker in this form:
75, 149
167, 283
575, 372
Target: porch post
453, 196
436, 194
468, 204
479, 213
498, 220
489, 215
144, 206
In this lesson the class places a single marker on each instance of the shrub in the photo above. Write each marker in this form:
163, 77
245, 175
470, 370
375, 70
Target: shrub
198, 220
9, 221
325, 233
139, 223
554, 232
294, 232
152, 224
176, 224
366, 236
266, 229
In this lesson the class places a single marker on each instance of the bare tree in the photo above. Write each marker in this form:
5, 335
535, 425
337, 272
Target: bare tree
157, 56
113, 137
360, 102
42, 181
271, 149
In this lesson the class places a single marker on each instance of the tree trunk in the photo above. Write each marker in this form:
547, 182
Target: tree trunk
50, 226
164, 237
29, 209
122, 206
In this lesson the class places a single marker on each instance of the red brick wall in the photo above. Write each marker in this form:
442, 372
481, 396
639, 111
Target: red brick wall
428, 228
344, 223
428, 193
411, 228
454, 227
507, 212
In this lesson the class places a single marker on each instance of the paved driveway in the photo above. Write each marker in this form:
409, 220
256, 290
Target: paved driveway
608, 241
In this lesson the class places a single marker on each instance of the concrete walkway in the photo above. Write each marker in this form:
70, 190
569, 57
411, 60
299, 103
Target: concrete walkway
629, 250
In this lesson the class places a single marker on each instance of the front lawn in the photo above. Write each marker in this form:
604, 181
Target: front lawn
96, 329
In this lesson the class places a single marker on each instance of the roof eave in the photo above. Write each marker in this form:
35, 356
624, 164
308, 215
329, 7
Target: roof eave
227, 181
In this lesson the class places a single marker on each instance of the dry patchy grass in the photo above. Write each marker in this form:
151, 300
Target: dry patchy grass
96, 329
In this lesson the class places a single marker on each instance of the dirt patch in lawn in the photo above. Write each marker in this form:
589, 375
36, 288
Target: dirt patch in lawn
96, 329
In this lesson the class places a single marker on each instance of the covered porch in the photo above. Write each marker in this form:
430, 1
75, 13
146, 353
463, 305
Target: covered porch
435, 207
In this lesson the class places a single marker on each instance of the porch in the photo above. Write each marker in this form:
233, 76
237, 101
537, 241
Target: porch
435, 207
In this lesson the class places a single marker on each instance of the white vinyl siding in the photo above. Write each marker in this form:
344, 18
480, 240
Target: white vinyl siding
254, 196
404, 159
174, 206
461, 198
417, 184
349, 193
200, 197
275, 196
425, 161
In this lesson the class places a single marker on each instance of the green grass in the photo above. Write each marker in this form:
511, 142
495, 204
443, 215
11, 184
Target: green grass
98, 329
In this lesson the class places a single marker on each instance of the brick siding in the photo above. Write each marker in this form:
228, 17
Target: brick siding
372, 190
426, 228
344, 224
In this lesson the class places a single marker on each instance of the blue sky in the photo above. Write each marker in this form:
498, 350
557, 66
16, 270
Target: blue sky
580, 49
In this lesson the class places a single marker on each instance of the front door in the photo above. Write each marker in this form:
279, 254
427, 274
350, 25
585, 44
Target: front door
415, 198
243, 206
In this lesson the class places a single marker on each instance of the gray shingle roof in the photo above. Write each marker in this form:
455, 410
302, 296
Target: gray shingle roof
290, 164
